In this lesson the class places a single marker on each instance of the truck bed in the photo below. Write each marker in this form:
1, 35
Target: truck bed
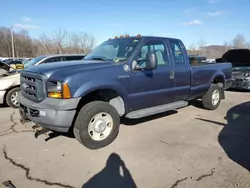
202, 76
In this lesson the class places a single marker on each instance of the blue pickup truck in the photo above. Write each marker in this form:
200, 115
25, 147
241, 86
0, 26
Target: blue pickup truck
130, 77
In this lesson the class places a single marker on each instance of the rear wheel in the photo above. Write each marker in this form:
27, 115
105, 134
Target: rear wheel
211, 100
97, 125
12, 97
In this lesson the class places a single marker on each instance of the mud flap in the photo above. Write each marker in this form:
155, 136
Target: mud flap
222, 91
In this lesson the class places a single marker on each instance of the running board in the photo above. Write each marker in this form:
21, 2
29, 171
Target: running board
156, 110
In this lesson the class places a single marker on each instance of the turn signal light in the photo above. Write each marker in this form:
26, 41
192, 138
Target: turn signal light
66, 91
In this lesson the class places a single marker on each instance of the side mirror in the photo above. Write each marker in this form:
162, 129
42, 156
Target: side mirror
151, 61
148, 63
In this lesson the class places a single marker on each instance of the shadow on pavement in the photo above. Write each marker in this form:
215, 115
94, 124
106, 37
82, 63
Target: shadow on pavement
131, 122
238, 90
3, 106
53, 135
111, 176
196, 103
234, 138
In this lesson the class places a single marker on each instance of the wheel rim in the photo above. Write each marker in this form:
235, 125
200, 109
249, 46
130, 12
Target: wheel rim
14, 98
215, 97
100, 126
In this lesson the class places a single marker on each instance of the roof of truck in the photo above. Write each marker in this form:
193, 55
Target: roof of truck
56, 55
143, 37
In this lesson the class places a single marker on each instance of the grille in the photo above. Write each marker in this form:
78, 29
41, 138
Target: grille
32, 87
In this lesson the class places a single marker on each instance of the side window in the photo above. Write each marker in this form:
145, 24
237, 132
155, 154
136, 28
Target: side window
53, 59
177, 52
158, 47
72, 58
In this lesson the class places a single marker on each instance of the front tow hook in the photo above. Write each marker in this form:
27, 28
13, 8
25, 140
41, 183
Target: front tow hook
39, 130
23, 121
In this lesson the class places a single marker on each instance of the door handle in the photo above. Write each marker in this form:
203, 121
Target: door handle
171, 74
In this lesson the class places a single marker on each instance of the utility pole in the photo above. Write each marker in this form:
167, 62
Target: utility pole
12, 42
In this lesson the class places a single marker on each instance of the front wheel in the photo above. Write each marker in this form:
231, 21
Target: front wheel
211, 100
97, 125
12, 97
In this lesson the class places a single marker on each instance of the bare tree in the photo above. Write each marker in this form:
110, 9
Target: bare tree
200, 44
239, 41
46, 43
87, 42
59, 38
226, 46
61, 42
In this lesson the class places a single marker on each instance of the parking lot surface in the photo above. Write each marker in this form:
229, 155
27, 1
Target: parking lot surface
191, 148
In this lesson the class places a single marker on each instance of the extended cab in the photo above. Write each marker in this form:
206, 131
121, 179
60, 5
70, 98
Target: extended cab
132, 77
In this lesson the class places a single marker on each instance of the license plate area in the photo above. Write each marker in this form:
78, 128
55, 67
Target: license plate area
31, 112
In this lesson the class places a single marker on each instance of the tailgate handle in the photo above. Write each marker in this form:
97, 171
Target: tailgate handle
171, 74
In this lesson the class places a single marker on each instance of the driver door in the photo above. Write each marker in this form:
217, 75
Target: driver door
152, 87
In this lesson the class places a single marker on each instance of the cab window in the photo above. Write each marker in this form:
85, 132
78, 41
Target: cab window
155, 46
177, 52
53, 59
72, 58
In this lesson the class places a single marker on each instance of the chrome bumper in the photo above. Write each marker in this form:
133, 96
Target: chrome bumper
2, 93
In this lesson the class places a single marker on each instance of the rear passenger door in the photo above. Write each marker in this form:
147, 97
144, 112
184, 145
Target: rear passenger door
182, 72
152, 87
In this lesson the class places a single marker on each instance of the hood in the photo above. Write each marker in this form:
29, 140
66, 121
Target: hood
68, 68
238, 57
5, 68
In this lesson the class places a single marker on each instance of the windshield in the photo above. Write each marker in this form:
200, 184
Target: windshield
33, 61
114, 50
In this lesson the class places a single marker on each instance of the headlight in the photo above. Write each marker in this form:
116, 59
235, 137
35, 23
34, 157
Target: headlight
246, 74
58, 90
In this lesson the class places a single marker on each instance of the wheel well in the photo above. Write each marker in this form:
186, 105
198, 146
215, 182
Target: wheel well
219, 80
106, 95
7, 91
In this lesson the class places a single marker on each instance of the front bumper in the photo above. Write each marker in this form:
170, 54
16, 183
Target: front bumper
241, 84
2, 93
53, 114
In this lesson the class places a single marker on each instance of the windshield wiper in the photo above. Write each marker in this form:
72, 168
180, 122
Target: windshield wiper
98, 58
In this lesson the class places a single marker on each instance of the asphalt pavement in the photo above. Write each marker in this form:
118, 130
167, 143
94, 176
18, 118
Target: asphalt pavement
191, 148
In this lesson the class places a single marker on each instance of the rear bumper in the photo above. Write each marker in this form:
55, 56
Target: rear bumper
2, 93
53, 114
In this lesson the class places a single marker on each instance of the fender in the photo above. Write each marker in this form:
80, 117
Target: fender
94, 85
217, 74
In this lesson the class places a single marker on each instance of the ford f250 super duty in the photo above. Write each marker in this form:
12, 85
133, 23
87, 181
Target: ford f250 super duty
127, 76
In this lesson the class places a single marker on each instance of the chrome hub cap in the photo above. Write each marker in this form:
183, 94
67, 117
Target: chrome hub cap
215, 97
100, 126
14, 98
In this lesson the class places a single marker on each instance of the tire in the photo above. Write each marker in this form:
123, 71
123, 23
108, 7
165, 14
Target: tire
9, 97
207, 99
93, 112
